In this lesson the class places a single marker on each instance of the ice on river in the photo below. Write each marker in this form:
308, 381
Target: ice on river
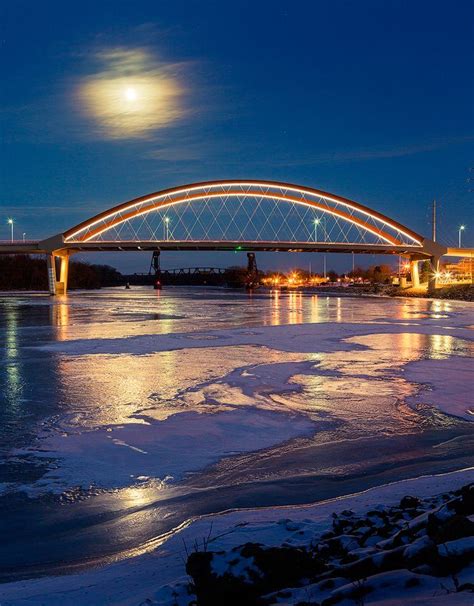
159, 406
163, 450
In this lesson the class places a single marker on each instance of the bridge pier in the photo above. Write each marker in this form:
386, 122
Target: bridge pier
414, 273
61, 286
51, 264
251, 280
156, 266
55, 286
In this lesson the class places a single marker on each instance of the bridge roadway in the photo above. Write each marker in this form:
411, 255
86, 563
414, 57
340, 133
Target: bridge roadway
53, 244
61, 248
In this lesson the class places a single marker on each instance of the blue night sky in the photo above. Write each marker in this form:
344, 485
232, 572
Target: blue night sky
368, 99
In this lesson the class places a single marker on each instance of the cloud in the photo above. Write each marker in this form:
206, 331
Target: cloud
184, 149
132, 94
21, 210
342, 156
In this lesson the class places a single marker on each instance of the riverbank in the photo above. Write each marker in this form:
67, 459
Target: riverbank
160, 578
462, 292
411, 550
459, 292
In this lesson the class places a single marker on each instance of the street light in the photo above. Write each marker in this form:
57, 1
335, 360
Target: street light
461, 229
316, 223
24, 235
166, 227
10, 223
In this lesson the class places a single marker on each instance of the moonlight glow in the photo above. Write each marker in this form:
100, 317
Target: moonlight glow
133, 96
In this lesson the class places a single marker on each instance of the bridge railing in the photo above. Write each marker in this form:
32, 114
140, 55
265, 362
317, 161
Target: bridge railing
16, 242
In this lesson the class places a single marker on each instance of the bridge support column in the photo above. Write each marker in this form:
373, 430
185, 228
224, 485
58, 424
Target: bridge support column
415, 274
433, 280
51, 264
251, 280
61, 286
55, 286
156, 266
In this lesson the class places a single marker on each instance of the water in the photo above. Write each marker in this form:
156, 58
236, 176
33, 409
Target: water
126, 413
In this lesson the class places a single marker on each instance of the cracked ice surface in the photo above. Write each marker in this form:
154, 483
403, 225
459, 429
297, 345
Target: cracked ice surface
164, 404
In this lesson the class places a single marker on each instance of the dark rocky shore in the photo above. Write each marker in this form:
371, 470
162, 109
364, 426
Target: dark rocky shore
420, 547
463, 292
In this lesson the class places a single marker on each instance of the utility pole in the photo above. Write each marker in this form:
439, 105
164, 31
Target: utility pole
433, 236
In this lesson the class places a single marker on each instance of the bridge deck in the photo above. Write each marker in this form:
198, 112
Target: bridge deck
42, 247
39, 247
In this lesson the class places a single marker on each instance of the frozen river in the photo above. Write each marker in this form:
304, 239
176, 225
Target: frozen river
124, 414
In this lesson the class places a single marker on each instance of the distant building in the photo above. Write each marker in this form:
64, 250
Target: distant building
462, 271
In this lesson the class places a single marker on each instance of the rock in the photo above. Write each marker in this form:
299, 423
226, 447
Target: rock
455, 555
268, 570
453, 528
372, 540
467, 493
420, 551
213, 590
409, 502
347, 513
466, 502
433, 537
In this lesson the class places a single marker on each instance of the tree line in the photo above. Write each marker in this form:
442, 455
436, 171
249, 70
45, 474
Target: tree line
28, 272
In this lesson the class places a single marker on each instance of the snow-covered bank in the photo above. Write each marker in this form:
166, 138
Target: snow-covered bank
159, 576
419, 547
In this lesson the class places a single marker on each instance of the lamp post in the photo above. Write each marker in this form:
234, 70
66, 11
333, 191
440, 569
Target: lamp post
461, 229
166, 228
24, 236
316, 223
10, 223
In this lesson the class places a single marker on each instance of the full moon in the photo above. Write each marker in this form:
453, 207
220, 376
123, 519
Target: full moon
130, 94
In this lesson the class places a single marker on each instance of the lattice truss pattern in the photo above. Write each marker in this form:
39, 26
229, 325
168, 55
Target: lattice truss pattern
242, 212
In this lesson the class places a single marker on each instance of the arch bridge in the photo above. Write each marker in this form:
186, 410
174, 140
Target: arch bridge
250, 215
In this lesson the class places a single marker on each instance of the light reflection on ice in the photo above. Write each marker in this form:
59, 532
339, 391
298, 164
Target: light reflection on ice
130, 366
129, 389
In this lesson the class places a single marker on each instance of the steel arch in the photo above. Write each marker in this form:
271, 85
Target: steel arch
364, 218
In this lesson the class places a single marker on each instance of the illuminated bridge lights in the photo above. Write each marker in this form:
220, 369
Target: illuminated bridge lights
243, 211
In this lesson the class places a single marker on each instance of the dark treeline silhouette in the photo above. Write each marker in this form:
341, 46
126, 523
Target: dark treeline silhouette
25, 272
233, 277
378, 274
